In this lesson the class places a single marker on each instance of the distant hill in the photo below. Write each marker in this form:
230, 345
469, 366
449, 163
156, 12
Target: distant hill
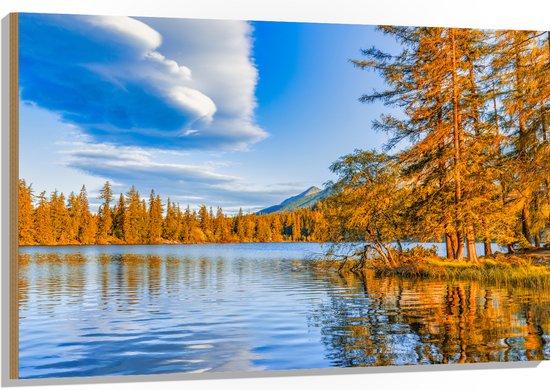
305, 199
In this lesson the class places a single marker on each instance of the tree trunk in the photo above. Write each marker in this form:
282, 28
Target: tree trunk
385, 257
378, 246
525, 223
471, 244
399, 245
459, 245
394, 261
487, 248
457, 145
520, 104
449, 246
543, 123
454, 243
537, 239
511, 249
495, 110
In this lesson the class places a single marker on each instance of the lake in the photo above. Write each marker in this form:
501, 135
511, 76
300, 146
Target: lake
123, 310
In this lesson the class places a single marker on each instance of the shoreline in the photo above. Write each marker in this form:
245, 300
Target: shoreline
530, 269
215, 242
175, 243
526, 268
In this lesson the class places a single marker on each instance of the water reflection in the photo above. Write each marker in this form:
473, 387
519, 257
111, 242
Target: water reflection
390, 321
138, 310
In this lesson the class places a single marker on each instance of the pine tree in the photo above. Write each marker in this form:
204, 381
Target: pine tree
26, 212
133, 221
249, 227
74, 209
179, 222
135, 218
205, 222
521, 71
119, 219
42, 221
143, 222
434, 80
296, 228
263, 232
132, 217
238, 226
171, 226
222, 231
88, 226
59, 218
155, 219
196, 233
105, 215
276, 228
186, 226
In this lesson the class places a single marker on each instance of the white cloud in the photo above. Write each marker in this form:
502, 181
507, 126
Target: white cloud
201, 105
144, 82
188, 183
130, 164
174, 69
219, 54
125, 27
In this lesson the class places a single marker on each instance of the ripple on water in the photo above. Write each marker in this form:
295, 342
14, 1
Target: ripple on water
122, 310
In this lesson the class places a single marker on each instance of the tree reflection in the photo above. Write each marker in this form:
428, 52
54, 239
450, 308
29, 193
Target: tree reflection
391, 321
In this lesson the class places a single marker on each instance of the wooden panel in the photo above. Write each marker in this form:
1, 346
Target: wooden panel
14, 185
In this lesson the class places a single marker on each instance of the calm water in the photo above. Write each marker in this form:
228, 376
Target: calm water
121, 310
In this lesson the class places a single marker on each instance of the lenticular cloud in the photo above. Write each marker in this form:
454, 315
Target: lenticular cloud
124, 82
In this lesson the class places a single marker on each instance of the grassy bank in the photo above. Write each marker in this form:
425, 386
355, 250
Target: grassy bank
502, 270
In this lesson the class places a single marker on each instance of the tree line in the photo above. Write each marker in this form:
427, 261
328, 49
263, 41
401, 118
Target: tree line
468, 156
129, 219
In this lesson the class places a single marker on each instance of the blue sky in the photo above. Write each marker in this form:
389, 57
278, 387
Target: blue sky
223, 113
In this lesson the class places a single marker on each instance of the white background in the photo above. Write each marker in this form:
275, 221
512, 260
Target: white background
518, 14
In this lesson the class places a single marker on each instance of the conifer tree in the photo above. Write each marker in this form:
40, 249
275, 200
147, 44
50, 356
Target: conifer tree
132, 217
222, 230
105, 215
249, 224
171, 226
73, 206
196, 234
133, 221
276, 228
59, 218
296, 228
521, 69
186, 226
26, 214
205, 222
434, 81
88, 226
238, 226
42, 221
119, 219
263, 232
155, 218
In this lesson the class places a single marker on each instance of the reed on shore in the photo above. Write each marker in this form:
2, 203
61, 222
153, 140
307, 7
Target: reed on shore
518, 270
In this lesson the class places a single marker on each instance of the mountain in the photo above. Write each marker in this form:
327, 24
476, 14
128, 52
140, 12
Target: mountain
305, 199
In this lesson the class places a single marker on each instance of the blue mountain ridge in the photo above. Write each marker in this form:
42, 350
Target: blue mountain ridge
308, 198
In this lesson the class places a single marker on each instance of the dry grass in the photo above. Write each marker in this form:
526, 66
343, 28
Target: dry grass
501, 270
